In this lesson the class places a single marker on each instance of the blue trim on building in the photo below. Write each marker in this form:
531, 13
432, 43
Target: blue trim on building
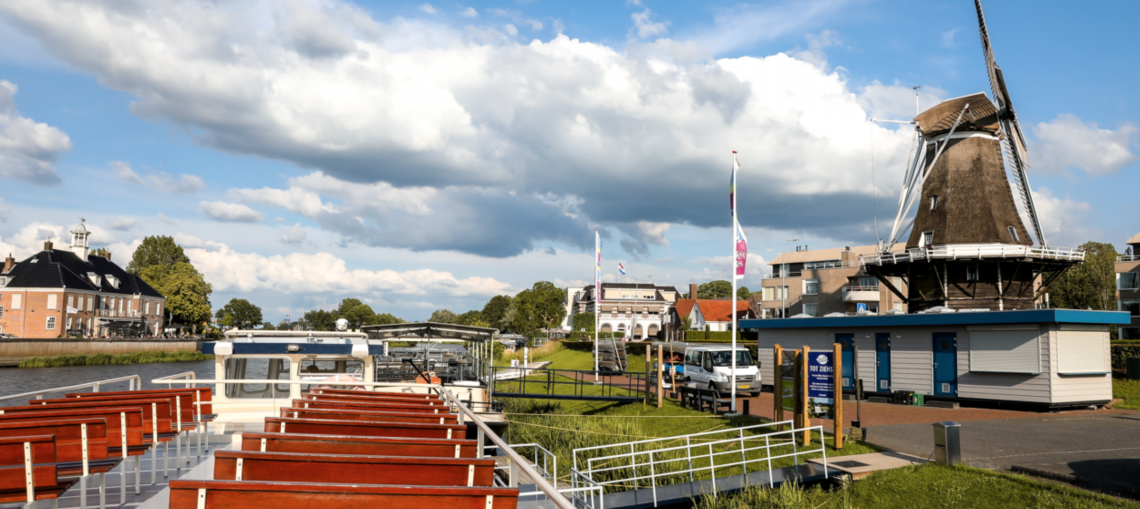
1080, 316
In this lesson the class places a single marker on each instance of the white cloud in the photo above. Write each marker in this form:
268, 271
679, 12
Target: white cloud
29, 239
644, 28
518, 18
229, 212
469, 12
300, 273
1067, 143
746, 25
428, 9
5, 211
122, 223
28, 149
897, 101
817, 43
158, 180
1062, 219
295, 236
948, 38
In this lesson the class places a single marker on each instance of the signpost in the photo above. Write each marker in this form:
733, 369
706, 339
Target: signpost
808, 385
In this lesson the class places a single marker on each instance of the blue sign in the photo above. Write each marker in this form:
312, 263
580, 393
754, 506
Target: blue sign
821, 384
862, 306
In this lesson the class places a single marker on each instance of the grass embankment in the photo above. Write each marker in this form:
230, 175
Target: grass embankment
561, 357
1127, 390
103, 359
930, 486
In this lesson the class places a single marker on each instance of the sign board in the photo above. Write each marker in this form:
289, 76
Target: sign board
861, 306
821, 385
788, 387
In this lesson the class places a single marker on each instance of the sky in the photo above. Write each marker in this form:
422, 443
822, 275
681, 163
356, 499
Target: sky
421, 156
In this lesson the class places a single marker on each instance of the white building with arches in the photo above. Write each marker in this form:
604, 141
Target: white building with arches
637, 309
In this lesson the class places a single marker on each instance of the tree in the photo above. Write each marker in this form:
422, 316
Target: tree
584, 321
187, 292
541, 306
268, 326
687, 323
507, 322
156, 250
319, 320
239, 313
720, 289
1092, 284
357, 313
100, 252
386, 318
442, 316
468, 317
495, 309
742, 293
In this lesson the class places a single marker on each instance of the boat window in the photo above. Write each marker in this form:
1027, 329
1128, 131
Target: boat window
330, 370
242, 368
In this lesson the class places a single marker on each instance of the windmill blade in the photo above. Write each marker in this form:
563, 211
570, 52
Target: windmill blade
1020, 170
988, 51
999, 89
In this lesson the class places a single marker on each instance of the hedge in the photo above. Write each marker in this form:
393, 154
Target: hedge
701, 335
1121, 352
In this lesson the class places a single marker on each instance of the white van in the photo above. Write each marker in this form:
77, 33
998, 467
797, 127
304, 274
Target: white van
711, 366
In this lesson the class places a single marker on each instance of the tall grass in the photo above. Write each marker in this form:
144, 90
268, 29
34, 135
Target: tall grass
103, 359
535, 353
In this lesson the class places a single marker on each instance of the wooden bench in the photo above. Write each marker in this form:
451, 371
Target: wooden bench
397, 406
700, 399
80, 446
255, 494
34, 455
339, 444
364, 428
200, 402
380, 395
368, 415
352, 468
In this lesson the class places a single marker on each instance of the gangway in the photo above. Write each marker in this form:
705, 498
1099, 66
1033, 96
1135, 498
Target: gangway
662, 473
612, 356
567, 384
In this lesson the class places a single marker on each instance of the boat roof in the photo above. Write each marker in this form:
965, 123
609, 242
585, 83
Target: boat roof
429, 331
291, 334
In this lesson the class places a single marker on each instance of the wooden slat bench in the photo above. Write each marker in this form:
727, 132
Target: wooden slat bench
353, 469
367, 415
396, 406
80, 448
339, 444
250, 494
18, 456
199, 402
364, 428
374, 394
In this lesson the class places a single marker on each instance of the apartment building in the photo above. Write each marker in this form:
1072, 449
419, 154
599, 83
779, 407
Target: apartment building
641, 309
1128, 287
824, 281
72, 292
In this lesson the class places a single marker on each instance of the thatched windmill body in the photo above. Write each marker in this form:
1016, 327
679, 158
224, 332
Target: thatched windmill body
968, 247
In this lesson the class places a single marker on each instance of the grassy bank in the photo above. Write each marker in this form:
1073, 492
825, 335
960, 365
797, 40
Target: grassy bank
930, 486
1127, 390
102, 359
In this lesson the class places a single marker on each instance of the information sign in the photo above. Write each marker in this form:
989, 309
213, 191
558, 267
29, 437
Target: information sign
788, 387
821, 385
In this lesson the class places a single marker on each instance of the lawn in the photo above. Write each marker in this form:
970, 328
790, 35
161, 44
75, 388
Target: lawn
930, 486
1128, 390
561, 357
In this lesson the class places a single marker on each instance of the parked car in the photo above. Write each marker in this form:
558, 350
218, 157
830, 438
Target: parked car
711, 365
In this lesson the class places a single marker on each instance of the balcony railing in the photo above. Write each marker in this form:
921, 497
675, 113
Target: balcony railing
1128, 258
854, 293
111, 313
974, 251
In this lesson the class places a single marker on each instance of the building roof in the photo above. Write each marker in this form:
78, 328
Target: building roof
684, 307
1134, 240
645, 286
822, 255
64, 269
720, 310
1080, 316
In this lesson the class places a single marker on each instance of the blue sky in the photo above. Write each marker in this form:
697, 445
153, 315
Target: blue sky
430, 155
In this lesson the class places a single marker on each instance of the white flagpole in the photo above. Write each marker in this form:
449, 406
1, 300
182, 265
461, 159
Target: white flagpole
735, 225
597, 297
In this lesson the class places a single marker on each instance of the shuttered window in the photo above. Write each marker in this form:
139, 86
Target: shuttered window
1081, 352
51, 301
1006, 351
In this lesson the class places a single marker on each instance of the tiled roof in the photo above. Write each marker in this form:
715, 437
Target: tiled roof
684, 307
720, 310
63, 269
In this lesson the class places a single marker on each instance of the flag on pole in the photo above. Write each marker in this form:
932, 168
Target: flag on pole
741, 258
621, 268
598, 268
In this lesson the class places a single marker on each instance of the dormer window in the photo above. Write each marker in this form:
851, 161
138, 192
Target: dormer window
113, 281
3, 281
95, 279
933, 202
35, 260
926, 240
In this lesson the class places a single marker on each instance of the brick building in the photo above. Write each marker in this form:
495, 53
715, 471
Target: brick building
71, 292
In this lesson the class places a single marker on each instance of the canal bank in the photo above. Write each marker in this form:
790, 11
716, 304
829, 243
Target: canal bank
12, 351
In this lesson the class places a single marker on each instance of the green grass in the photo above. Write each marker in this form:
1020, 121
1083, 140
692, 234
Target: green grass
929, 486
1128, 390
101, 359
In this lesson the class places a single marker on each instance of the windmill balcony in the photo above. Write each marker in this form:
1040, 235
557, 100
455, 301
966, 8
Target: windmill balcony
860, 294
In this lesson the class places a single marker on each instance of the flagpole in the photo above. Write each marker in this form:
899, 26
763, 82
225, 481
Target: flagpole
732, 298
597, 297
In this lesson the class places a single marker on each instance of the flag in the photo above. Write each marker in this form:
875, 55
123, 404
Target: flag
621, 268
739, 240
598, 268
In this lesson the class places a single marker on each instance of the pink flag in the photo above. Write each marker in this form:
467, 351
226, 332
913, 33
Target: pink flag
741, 258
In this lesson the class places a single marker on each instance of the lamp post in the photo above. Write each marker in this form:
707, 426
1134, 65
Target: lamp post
783, 275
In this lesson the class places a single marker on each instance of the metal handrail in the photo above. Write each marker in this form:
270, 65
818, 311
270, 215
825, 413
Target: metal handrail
135, 381
547, 459
973, 251
588, 485
673, 438
185, 374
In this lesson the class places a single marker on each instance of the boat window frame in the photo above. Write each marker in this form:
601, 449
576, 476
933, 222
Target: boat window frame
288, 393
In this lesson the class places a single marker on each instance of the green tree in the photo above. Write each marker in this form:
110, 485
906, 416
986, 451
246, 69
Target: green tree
479, 322
319, 320
187, 292
540, 307
468, 317
584, 321
742, 293
507, 322
268, 326
386, 318
156, 250
100, 252
495, 309
1092, 284
239, 313
687, 323
442, 316
720, 289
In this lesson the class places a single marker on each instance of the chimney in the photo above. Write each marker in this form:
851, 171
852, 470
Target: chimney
107, 254
9, 262
692, 291
47, 245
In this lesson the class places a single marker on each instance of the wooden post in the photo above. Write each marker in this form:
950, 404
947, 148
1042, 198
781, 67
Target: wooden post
648, 363
660, 377
797, 421
837, 356
804, 416
778, 383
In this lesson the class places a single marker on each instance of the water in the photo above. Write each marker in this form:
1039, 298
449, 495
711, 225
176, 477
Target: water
16, 381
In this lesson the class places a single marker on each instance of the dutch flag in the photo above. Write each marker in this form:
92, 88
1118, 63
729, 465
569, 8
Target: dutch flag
621, 268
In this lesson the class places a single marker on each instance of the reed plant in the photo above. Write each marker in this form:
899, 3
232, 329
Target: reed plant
536, 354
104, 359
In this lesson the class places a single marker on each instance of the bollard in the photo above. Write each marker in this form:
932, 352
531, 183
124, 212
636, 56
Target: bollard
947, 447
747, 410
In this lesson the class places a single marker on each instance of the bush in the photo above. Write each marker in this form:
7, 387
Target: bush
1121, 351
712, 336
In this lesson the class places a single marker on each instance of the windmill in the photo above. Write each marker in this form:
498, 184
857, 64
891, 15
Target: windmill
968, 248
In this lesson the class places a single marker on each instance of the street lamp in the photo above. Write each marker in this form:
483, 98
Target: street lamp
783, 284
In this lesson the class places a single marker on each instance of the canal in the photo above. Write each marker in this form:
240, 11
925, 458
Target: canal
17, 381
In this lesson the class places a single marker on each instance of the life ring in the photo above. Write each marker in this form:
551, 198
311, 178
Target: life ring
340, 378
430, 378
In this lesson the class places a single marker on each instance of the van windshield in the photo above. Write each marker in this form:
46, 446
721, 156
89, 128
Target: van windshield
724, 358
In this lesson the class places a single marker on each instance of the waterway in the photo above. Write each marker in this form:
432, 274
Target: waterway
18, 381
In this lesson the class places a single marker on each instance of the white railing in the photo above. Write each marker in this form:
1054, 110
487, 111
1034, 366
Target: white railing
112, 313
659, 459
135, 383
1128, 258
860, 289
974, 251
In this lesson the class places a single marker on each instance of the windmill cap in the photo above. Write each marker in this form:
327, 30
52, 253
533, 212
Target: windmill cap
940, 119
